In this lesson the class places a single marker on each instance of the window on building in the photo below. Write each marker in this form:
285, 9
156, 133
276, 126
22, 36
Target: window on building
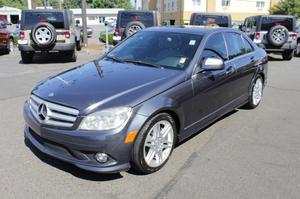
225, 3
196, 2
260, 4
173, 6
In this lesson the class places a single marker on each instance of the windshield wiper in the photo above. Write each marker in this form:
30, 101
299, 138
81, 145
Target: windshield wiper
114, 58
143, 63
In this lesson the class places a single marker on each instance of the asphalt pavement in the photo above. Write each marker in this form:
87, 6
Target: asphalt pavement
246, 154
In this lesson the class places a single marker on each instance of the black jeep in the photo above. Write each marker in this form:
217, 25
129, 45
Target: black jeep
211, 19
274, 33
47, 31
130, 22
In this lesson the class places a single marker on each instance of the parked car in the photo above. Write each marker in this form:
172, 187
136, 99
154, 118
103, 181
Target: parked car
297, 51
157, 88
130, 22
6, 40
204, 19
89, 30
48, 30
274, 33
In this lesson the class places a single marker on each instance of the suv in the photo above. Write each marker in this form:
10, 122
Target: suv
48, 30
6, 40
130, 22
204, 19
274, 33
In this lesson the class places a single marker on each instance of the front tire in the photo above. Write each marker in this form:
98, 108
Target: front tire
154, 144
255, 93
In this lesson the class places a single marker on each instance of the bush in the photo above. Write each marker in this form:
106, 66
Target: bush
110, 38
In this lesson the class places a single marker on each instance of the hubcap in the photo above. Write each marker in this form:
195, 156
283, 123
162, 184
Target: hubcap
133, 29
158, 143
257, 91
43, 35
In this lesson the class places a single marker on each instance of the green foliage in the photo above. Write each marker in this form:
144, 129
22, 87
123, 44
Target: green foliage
54, 3
71, 4
287, 7
13, 3
112, 4
110, 38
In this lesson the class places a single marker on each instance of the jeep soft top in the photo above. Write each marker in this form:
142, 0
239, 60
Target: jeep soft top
203, 19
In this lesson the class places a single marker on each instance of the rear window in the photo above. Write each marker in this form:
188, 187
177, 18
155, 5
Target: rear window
146, 18
54, 18
268, 23
203, 20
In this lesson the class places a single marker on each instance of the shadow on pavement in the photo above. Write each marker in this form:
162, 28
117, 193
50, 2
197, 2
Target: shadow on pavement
64, 166
270, 58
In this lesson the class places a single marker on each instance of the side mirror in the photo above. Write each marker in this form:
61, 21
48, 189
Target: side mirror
213, 64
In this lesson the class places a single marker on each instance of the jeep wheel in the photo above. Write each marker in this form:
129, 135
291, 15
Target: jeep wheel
287, 55
26, 57
297, 50
278, 35
44, 35
72, 55
133, 27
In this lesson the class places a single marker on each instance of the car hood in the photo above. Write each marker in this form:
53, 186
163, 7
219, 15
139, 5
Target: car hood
104, 83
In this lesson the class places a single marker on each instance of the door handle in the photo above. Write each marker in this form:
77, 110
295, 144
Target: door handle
230, 70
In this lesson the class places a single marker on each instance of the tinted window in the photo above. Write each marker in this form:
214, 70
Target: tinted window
217, 44
170, 50
248, 46
202, 20
127, 17
235, 45
54, 18
268, 23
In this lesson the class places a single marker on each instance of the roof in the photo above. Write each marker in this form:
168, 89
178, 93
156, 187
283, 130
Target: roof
9, 10
187, 29
289, 16
212, 13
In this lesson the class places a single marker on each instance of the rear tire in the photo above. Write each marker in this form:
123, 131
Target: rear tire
78, 45
10, 46
287, 55
72, 55
26, 57
297, 51
256, 93
152, 150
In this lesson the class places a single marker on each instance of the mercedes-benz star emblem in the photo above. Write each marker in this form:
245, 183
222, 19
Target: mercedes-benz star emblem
42, 112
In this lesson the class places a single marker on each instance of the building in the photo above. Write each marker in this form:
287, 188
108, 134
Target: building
10, 15
179, 11
96, 16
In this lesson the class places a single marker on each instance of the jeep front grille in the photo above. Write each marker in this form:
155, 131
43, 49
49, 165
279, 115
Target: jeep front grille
52, 114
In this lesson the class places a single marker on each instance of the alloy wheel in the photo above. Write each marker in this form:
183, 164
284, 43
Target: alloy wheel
43, 35
257, 91
158, 143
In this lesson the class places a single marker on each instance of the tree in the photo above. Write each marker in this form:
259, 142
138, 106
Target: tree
71, 3
287, 7
112, 4
54, 3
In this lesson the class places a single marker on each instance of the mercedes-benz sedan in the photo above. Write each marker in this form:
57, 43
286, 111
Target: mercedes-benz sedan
155, 89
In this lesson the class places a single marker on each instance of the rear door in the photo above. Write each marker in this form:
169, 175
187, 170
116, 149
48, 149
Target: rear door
242, 53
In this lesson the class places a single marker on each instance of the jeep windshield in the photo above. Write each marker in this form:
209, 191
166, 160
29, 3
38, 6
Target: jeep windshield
157, 49
204, 20
54, 18
146, 18
268, 22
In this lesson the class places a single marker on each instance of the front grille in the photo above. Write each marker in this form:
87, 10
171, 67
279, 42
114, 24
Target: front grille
52, 114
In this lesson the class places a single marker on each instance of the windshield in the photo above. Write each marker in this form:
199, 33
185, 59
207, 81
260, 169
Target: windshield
203, 20
164, 49
54, 18
269, 22
145, 18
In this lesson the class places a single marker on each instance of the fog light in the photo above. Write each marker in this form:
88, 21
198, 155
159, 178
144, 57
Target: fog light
101, 157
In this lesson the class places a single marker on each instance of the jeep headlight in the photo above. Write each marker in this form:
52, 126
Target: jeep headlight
107, 119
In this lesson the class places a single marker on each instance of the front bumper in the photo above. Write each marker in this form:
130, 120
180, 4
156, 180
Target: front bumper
79, 148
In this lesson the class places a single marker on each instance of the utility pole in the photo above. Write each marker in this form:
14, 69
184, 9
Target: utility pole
29, 5
45, 4
84, 22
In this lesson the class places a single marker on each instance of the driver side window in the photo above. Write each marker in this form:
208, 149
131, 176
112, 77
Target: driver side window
215, 47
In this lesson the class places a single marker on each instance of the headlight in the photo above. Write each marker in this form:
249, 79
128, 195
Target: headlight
106, 119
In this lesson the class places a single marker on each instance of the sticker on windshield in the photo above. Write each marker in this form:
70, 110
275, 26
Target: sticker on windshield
182, 60
192, 42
